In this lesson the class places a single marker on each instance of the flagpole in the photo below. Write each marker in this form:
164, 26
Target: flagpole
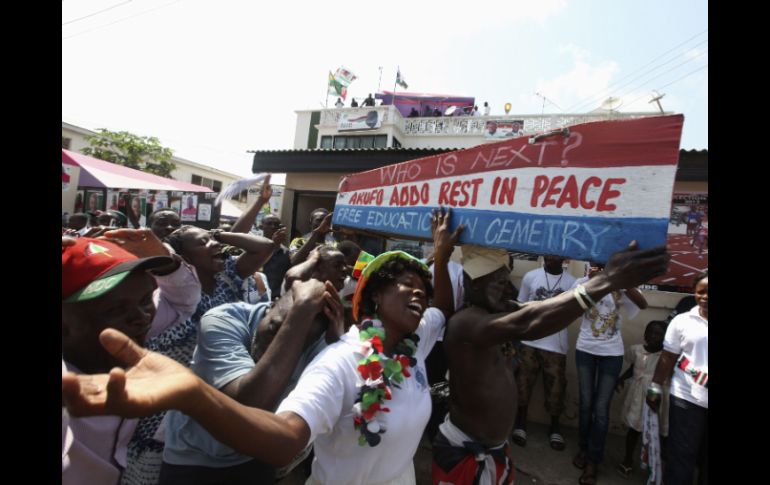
326, 106
398, 70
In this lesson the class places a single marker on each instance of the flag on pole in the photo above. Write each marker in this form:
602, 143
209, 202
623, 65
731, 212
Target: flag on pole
345, 76
400, 80
336, 88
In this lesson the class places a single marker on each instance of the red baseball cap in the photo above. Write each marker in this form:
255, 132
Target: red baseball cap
93, 267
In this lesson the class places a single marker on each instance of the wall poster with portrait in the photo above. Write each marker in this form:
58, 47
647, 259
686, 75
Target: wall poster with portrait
94, 200
189, 207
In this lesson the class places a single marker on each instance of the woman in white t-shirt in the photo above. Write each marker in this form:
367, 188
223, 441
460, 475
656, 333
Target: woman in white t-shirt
685, 359
599, 360
339, 403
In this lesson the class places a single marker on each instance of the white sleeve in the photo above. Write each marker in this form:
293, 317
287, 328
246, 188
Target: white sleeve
430, 330
318, 397
673, 341
629, 306
525, 291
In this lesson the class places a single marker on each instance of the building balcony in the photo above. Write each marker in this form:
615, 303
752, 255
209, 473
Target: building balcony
472, 126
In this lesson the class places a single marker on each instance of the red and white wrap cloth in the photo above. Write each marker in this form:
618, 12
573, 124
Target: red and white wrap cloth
651, 446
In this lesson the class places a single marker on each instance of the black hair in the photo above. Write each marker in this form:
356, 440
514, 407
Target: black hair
176, 238
155, 213
387, 275
699, 277
656, 323
348, 247
315, 211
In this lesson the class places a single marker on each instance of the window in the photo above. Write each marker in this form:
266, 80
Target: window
396, 143
65, 143
214, 185
366, 141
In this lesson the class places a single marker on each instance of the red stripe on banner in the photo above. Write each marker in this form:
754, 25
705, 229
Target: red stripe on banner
617, 143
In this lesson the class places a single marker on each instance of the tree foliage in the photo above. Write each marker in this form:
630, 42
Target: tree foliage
138, 152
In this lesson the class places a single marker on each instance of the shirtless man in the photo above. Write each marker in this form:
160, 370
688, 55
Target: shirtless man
473, 440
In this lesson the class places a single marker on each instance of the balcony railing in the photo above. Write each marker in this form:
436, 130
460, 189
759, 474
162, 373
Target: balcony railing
470, 125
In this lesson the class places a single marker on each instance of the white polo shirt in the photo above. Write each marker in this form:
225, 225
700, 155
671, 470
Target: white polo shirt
688, 335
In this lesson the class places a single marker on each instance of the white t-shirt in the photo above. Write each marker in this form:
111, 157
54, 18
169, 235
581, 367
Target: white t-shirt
538, 285
486, 110
608, 342
324, 398
688, 335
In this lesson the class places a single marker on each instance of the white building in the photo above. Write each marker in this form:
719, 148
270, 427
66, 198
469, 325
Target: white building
74, 138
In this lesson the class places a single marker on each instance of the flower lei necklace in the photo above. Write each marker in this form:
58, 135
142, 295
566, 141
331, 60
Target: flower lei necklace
379, 373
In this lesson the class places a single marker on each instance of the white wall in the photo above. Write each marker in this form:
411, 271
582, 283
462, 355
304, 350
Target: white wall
78, 140
302, 131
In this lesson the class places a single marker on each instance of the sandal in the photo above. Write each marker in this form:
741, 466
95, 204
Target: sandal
519, 437
589, 475
580, 460
557, 441
623, 470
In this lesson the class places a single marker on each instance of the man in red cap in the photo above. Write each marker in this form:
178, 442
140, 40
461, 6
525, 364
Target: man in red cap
131, 283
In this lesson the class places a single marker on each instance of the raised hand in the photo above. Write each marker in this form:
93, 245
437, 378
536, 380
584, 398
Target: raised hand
279, 236
326, 225
267, 190
310, 293
142, 243
632, 267
443, 240
151, 384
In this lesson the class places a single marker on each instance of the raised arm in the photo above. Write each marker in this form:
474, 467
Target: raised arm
247, 219
443, 243
302, 271
156, 383
263, 385
538, 319
318, 235
257, 249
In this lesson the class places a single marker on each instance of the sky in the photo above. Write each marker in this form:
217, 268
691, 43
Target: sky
213, 80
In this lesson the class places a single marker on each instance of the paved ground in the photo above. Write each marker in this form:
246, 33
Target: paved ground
537, 463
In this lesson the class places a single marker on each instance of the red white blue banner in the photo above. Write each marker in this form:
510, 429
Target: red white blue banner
582, 193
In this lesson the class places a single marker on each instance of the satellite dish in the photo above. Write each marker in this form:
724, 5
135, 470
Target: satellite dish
611, 104
450, 110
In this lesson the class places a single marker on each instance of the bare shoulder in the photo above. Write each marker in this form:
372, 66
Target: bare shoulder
461, 324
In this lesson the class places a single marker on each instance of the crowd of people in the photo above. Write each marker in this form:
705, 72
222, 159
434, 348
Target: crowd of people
427, 109
219, 356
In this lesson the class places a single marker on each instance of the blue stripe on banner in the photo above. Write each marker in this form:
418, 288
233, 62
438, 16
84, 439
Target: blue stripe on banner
582, 238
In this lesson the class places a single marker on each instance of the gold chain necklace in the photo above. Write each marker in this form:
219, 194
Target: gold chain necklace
609, 319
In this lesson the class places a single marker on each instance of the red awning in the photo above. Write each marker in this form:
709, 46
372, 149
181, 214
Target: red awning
98, 173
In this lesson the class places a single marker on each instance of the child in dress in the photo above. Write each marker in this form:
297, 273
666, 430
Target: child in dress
643, 359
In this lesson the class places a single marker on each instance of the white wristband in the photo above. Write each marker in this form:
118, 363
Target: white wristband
579, 299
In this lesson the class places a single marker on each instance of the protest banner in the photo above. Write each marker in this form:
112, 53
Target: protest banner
582, 192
